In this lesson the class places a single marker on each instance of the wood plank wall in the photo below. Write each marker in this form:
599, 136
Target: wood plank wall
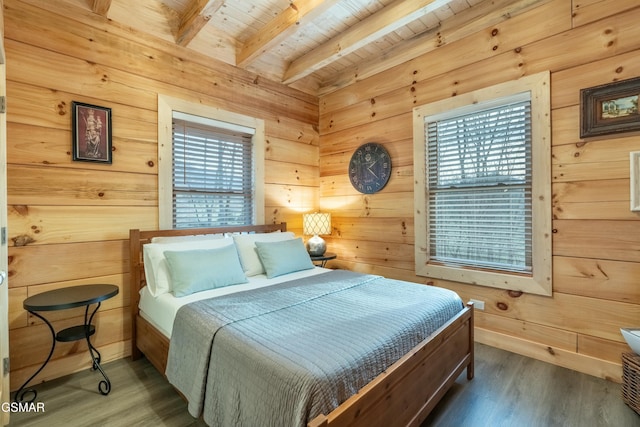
69, 221
596, 238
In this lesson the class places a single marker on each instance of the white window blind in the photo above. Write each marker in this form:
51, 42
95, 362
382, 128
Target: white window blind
212, 175
479, 188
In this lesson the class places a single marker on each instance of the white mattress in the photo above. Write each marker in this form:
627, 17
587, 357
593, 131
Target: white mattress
160, 311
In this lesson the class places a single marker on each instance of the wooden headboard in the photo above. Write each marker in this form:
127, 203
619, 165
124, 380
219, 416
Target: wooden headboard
139, 238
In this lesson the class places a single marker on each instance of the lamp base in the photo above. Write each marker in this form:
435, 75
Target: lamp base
316, 246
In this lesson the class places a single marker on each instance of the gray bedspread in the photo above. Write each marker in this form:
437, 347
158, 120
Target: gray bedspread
279, 356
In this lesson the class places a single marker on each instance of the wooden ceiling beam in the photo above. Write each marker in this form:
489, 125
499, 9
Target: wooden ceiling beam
100, 7
281, 27
387, 20
197, 15
469, 21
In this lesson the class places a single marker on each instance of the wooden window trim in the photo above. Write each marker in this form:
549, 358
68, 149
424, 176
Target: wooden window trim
166, 106
540, 282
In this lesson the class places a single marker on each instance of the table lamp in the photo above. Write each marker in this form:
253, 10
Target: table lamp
316, 224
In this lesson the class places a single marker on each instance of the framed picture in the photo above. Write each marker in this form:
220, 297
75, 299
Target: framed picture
610, 108
91, 133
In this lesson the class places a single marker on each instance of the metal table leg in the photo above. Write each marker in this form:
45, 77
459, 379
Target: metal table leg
22, 391
105, 385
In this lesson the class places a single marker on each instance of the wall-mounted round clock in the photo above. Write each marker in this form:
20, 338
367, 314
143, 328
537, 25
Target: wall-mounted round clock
370, 168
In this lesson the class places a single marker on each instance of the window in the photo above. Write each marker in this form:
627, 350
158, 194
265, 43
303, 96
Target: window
210, 164
482, 166
212, 174
479, 187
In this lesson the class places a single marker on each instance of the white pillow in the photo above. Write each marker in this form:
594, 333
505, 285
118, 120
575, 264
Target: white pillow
246, 246
192, 238
155, 265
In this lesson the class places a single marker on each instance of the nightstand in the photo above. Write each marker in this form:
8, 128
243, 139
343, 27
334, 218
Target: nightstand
62, 299
322, 259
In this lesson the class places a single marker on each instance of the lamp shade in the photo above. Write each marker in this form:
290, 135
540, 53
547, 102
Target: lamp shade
316, 223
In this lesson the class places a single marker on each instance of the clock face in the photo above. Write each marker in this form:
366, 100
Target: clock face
370, 168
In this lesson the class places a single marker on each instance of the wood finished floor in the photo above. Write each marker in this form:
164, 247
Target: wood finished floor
508, 390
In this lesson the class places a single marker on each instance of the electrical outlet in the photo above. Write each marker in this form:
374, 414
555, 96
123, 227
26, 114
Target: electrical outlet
479, 305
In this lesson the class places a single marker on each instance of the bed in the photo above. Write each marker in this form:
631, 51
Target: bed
402, 394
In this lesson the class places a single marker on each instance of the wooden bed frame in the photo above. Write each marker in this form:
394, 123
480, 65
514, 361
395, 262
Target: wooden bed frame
403, 395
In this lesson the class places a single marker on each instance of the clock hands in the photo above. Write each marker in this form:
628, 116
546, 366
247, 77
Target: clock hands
369, 169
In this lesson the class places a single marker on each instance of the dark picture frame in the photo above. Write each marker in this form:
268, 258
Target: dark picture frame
610, 108
91, 133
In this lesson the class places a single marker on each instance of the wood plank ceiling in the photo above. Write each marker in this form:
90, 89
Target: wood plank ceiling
316, 46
